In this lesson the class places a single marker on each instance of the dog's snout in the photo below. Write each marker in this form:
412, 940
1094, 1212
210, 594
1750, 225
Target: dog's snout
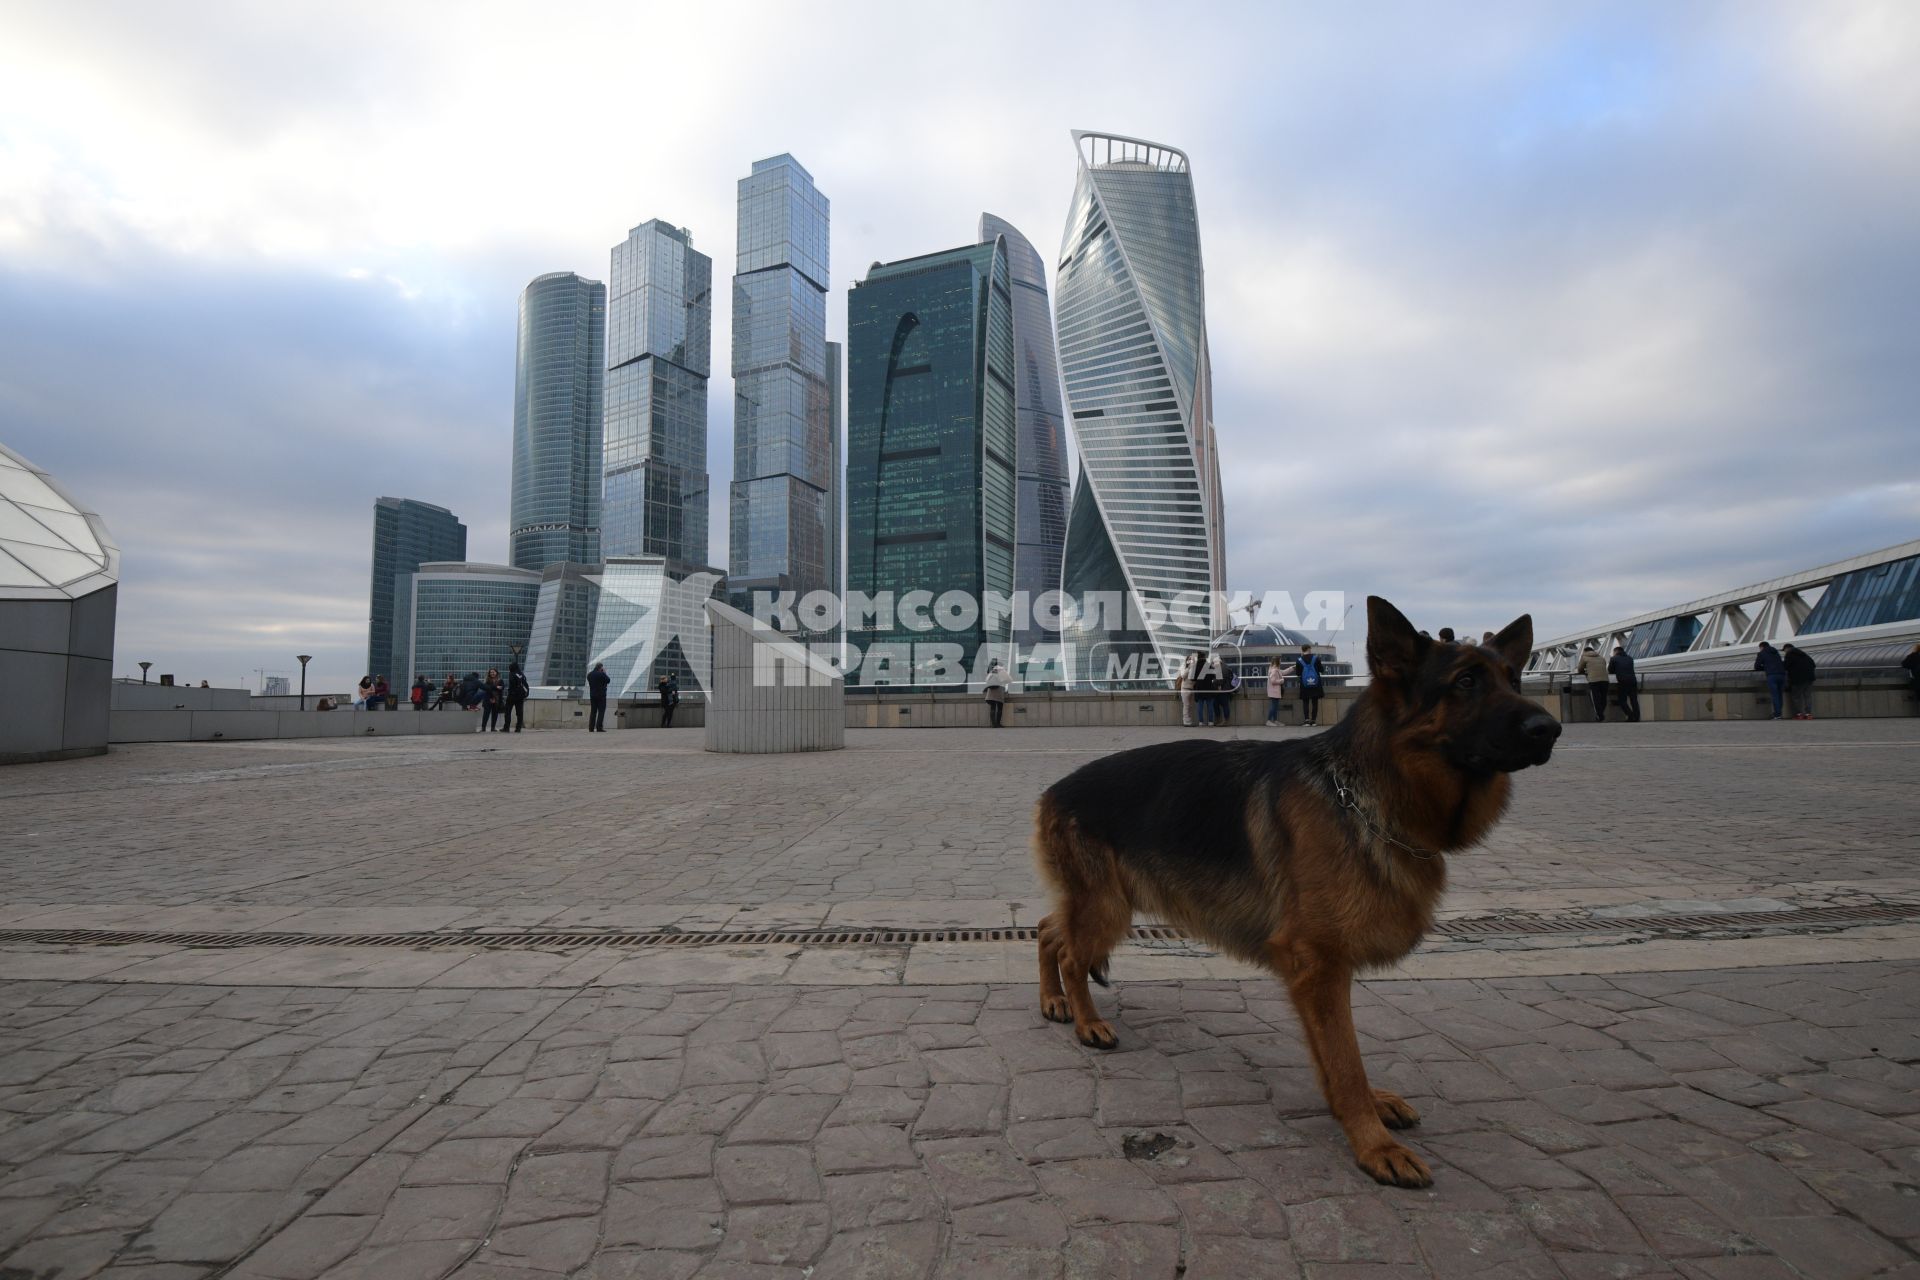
1540, 728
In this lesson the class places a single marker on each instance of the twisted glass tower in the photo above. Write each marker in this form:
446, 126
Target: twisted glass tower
1040, 449
1146, 519
557, 387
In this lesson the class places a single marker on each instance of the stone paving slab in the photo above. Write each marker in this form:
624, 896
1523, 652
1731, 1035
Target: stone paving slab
1756, 1122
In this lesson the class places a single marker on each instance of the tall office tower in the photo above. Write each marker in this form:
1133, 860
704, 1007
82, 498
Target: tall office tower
1146, 517
1040, 439
837, 512
467, 617
781, 507
931, 441
556, 421
659, 334
406, 534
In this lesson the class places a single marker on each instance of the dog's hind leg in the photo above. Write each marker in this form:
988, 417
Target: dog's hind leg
1322, 992
1053, 996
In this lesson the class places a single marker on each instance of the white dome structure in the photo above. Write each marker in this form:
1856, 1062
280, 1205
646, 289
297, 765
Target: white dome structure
59, 584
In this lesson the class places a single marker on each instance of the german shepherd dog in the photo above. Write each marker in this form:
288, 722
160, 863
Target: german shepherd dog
1315, 857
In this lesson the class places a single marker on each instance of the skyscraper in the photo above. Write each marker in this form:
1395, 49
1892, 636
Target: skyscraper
467, 617
1146, 517
406, 534
1040, 446
782, 504
563, 615
931, 438
659, 334
557, 383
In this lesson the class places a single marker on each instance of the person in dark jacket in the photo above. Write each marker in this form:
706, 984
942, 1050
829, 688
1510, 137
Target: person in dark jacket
1207, 689
1312, 685
1911, 665
517, 690
470, 691
669, 699
1626, 684
449, 692
419, 694
1767, 662
492, 700
597, 682
1800, 669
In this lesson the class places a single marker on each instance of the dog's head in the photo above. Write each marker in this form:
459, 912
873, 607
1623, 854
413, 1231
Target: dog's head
1461, 700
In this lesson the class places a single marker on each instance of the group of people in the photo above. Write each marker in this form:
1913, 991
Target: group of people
501, 700
598, 681
1615, 676
1789, 668
1206, 684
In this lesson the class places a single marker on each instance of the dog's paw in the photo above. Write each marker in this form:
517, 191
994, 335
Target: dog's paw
1395, 1111
1096, 1035
1055, 1009
1395, 1166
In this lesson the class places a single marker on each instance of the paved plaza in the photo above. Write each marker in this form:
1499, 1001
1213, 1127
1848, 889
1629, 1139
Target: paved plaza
1607, 1098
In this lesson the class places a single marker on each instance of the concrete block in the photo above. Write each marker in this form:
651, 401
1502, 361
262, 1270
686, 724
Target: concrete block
91, 630
37, 626
89, 681
33, 692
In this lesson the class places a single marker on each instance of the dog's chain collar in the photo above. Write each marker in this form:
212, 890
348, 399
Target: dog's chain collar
1348, 800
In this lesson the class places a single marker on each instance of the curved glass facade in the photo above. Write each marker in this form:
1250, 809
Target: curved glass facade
557, 404
1040, 459
931, 437
468, 617
1146, 518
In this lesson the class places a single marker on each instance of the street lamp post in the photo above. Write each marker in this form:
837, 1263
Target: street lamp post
143, 671
305, 658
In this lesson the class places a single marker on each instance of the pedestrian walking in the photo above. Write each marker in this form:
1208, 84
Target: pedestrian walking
1911, 665
994, 688
1800, 672
1312, 684
1594, 668
419, 694
597, 682
517, 691
1183, 685
1276, 690
1767, 662
362, 692
669, 699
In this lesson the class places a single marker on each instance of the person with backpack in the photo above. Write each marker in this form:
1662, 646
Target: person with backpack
1312, 685
419, 693
1800, 671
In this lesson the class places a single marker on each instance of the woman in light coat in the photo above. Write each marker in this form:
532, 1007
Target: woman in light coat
1183, 684
995, 690
1276, 690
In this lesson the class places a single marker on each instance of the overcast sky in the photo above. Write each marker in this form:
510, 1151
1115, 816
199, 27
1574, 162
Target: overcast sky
1577, 309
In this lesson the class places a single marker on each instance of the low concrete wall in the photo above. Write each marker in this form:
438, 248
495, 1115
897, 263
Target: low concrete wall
571, 713
1738, 697
242, 726
178, 697
1056, 709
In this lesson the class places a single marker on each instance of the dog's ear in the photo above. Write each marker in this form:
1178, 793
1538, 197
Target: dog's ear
1515, 642
1394, 648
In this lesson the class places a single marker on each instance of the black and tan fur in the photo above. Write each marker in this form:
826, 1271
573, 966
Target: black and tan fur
1315, 857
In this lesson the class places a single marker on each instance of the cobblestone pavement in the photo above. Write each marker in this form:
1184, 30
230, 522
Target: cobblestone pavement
507, 824
170, 1113
1758, 1123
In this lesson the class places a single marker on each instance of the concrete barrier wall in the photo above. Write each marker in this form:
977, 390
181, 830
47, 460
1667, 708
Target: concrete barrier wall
571, 713
243, 726
1836, 697
161, 697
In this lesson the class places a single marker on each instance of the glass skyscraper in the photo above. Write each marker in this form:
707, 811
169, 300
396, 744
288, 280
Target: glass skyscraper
1146, 516
659, 335
468, 617
651, 622
557, 408
1040, 459
783, 505
406, 534
931, 437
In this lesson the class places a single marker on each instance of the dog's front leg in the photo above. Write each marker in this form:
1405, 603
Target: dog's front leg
1322, 992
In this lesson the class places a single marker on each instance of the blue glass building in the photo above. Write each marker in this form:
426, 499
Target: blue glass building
563, 617
468, 617
557, 409
783, 504
659, 335
931, 438
406, 534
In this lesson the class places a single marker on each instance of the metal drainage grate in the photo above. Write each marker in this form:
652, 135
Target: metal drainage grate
537, 940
